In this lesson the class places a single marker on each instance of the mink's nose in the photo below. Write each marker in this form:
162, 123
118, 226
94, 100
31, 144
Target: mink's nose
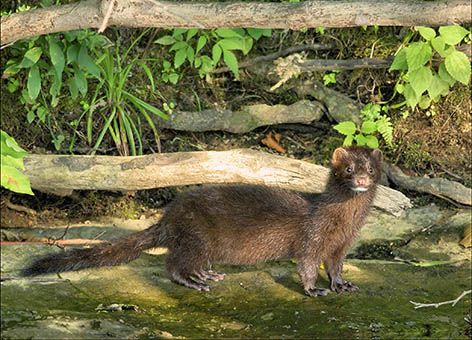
361, 182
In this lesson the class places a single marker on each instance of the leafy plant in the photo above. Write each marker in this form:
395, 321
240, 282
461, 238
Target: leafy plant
49, 62
41, 66
429, 68
119, 106
11, 156
192, 46
374, 121
330, 78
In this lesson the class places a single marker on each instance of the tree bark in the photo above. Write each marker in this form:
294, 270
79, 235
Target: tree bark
308, 14
62, 174
246, 119
439, 187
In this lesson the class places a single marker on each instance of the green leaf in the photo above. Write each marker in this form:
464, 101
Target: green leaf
418, 54
180, 57
41, 113
256, 33
173, 78
420, 79
149, 75
267, 32
80, 81
12, 161
191, 33
410, 96
13, 85
56, 85
73, 89
231, 61
346, 128
14, 180
165, 40
348, 140
399, 88
437, 87
8, 146
72, 54
426, 32
399, 63
58, 141
57, 56
87, 63
180, 45
227, 33
247, 45
368, 127
444, 75
231, 44
140, 103
424, 102
190, 54
458, 66
200, 43
216, 53
360, 139
372, 142
178, 33
384, 126
453, 34
439, 45
30, 116
31, 57
34, 82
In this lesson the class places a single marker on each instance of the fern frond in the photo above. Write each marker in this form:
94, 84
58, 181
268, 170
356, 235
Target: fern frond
384, 126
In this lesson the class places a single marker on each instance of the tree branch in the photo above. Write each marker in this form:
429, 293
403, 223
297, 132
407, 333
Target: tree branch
62, 174
165, 14
436, 305
439, 187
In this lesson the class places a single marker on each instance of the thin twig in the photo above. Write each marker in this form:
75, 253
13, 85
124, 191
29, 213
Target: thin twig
279, 54
436, 305
19, 208
104, 24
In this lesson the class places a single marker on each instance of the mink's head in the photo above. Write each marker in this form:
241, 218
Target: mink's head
356, 168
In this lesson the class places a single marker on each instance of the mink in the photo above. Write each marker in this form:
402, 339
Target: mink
248, 224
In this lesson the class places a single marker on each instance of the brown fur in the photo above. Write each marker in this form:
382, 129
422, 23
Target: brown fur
246, 224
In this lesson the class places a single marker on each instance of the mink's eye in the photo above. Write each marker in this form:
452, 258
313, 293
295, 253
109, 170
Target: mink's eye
370, 170
349, 169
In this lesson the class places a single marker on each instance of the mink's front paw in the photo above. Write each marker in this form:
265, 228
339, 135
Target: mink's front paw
316, 292
345, 286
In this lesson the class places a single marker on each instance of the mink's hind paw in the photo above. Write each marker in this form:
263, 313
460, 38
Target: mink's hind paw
346, 286
190, 282
316, 292
214, 276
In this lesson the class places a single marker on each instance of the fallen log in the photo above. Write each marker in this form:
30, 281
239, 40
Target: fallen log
62, 174
165, 14
439, 187
340, 107
246, 119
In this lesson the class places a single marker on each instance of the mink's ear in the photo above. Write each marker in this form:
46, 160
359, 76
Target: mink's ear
377, 154
339, 155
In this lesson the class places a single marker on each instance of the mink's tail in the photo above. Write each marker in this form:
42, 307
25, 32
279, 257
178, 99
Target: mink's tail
119, 251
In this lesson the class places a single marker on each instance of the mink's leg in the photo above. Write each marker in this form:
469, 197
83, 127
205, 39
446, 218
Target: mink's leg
333, 267
185, 262
308, 271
